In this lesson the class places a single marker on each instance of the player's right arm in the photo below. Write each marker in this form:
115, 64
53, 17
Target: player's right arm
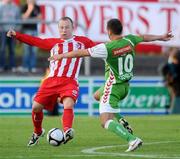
98, 51
136, 39
45, 44
165, 37
71, 54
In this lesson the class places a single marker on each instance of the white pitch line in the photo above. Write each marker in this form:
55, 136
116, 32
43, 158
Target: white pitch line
92, 152
94, 149
91, 155
52, 156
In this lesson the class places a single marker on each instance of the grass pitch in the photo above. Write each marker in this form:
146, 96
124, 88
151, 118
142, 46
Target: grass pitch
161, 136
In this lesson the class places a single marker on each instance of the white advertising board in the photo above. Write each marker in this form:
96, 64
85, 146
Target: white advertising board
90, 17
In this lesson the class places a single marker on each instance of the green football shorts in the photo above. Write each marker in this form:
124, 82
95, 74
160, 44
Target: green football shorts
111, 95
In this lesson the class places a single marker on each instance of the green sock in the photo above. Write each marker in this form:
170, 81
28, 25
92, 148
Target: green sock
119, 130
118, 116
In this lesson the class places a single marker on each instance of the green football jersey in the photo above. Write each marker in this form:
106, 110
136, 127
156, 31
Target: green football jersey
120, 58
107, 69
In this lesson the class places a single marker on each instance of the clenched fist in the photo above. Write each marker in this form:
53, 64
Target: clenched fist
11, 33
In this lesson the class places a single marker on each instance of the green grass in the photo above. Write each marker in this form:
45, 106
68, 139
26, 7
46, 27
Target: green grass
161, 136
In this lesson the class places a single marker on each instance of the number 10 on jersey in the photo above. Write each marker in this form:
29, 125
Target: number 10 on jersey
125, 64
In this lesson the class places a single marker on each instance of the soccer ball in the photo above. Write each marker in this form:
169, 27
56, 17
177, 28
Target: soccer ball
55, 137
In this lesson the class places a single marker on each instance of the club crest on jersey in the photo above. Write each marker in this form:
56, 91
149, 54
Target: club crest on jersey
78, 46
122, 50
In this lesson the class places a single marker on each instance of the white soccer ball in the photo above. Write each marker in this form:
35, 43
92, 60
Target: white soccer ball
55, 137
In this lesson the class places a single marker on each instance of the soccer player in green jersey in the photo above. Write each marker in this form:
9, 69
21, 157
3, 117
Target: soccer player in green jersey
97, 95
119, 55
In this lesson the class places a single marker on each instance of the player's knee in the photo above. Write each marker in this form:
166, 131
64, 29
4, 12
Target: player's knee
68, 106
105, 123
96, 96
37, 107
68, 103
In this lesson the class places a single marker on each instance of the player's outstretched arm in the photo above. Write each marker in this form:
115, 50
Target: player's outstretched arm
72, 54
165, 37
45, 44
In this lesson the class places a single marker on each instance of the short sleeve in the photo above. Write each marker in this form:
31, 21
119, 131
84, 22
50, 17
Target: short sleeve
98, 51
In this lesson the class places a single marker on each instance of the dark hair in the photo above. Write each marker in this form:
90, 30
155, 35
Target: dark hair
115, 26
67, 18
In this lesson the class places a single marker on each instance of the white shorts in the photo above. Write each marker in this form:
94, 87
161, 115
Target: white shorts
106, 108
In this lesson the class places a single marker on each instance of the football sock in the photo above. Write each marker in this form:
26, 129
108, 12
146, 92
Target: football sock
119, 130
37, 121
67, 119
118, 116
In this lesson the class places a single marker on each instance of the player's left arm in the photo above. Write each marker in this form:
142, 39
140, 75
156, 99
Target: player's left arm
72, 54
165, 37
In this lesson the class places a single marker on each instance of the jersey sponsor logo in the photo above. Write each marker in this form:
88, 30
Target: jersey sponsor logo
126, 76
121, 51
108, 87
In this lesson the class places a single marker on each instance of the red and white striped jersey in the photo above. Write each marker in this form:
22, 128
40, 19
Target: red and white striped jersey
67, 67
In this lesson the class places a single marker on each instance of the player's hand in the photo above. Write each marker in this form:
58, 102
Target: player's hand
168, 36
55, 57
11, 33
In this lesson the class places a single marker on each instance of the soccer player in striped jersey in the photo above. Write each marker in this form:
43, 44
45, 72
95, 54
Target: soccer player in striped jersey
119, 55
62, 80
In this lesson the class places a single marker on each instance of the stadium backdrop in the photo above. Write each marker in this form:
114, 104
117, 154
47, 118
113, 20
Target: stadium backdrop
146, 96
137, 16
